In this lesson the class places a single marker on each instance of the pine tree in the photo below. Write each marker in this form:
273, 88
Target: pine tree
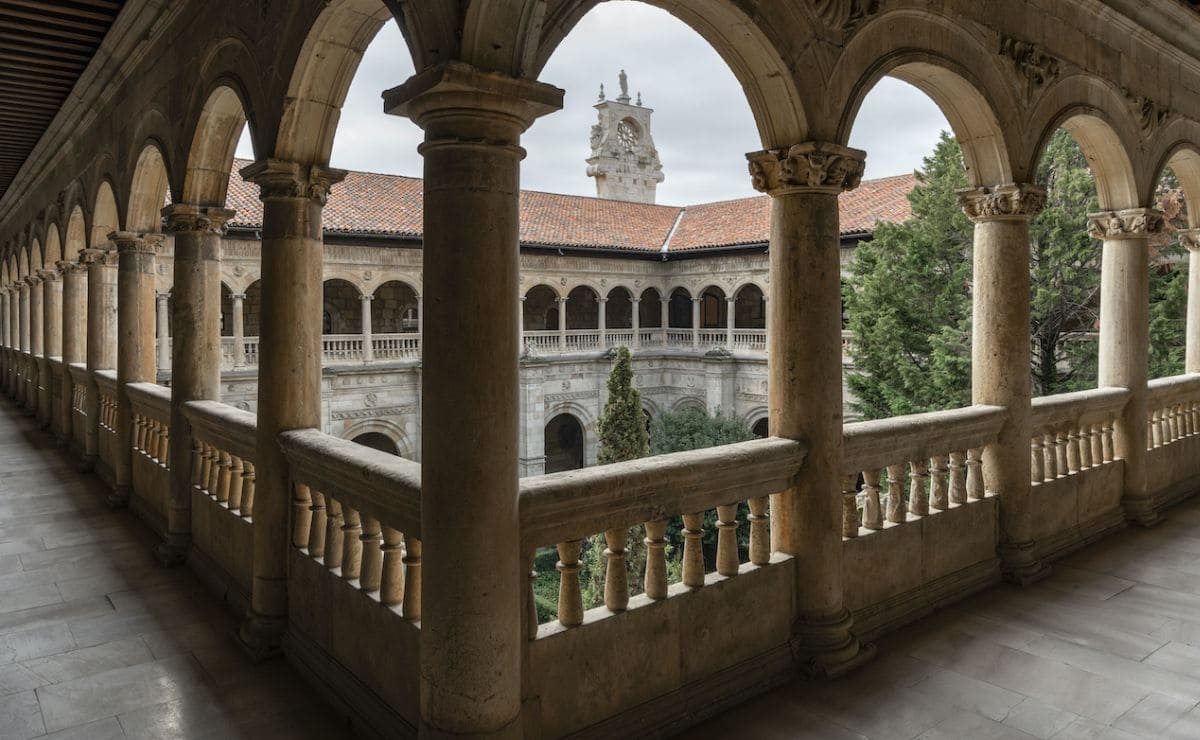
622, 426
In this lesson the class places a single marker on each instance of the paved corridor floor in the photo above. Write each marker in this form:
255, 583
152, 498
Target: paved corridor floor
1107, 647
99, 643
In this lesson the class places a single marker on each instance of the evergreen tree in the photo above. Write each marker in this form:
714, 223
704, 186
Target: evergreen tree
694, 429
622, 425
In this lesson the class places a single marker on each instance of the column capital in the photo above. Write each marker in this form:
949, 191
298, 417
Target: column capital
98, 256
277, 178
635, 300
1190, 239
562, 298
129, 242
812, 166
183, 217
67, 267
603, 299
237, 296
31, 280
50, 275
1130, 223
454, 88
164, 296
1008, 202
367, 297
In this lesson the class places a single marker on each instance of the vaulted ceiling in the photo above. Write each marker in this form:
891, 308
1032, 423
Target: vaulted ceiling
44, 47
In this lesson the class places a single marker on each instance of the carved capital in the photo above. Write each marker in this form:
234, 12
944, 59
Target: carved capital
32, 280
50, 276
237, 297
1189, 239
95, 256
1131, 223
813, 165
461, 88
66, 267
129, 242
181, 217
1003, 202
279, 179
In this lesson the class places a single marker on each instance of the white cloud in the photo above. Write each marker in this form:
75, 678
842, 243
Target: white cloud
702, 123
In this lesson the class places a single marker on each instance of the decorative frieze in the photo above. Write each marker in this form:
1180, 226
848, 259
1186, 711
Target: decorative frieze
813, 165
1011, 201
371, 413
1131, 223
131, 243
572, 396
1032, 63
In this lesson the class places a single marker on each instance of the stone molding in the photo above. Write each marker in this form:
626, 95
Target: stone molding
1130, 223
1012, 201
277, 178
813, 166
96, 256
1151, 115
845, 15
1032, 63
182, 217
1189, 239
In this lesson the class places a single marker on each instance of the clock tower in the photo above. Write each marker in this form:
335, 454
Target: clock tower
624, 160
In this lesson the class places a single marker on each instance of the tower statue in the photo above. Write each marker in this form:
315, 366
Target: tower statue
623, 159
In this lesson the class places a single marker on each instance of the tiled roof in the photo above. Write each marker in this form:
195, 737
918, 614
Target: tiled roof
390, 205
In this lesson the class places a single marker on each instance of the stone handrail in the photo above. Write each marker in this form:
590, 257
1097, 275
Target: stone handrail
106, 382
1173, 409
151, 400
152, 420
229, 428
1165, 392
1073, 432
79, 373
223, 454
566, 507
357, 511
936, 457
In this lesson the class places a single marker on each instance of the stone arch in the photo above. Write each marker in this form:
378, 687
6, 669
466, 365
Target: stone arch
679, 310
341, 307
650, 309
564, 443
393, 431
952, 67
226, 310
714, 309
1097, 117
147, 191
324, 70
753, 47
395, 308
761, 426
76, 235
583, 308
377, 441
749, 306
218, 128
35, 256
53, 251
539, 308
690, 402
1183, 157
252, 309
105, 218
618, 313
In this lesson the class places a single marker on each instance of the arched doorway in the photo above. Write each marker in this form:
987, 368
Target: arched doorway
563, 446
539, 309
377, 441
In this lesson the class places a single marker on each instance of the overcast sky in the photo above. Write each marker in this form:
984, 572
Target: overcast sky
702, 124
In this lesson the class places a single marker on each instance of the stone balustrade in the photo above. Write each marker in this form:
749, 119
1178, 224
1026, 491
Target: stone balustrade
1174, 408
106, 439
151, 405
1073, 432
79, 407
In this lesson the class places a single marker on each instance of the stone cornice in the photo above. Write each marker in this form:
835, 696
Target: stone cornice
811, 166
1130, 223
277, 178
1004, 202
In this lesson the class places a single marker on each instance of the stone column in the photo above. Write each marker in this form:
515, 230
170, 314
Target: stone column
665, 319
1125, 339
135, 344
805, 388
51, 340
637, 323
696, 323
1000, 359
14, 336
289, 371
1191, 239
368, 350
603, 324
195, 353
5, 355
562, 324
472, 637
730, 317
239, 329
163, 331
74, 337
36, 317
101, 335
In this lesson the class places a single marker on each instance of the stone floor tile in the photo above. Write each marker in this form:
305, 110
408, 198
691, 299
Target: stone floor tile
1177, 657
1085, 583
1154, 714
91, 660
15, 678
1038, 719
969, 694
1131, 672
1086, 729
47, 639
27, 597
101, 729
19, 546
973, 726
20, 716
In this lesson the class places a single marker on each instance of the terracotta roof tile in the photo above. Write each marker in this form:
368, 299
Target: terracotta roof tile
368, 203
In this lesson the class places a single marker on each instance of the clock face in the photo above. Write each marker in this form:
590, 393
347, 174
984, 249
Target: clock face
627, 134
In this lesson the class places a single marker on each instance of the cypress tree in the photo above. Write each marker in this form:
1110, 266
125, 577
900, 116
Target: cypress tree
622, 427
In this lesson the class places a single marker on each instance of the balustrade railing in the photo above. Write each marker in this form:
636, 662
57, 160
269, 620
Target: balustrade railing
1173, 407
151, 422
342, 348
106, 388
357, 512
79, 404
562, 509
396, 346
752, 340
678, 337
223, 454
913, 465
1073, 432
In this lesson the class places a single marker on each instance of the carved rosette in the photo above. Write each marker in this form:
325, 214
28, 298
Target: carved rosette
1002, 203
279, 179
811, 166
1131, 223
184, 218
102, 257
1189, 239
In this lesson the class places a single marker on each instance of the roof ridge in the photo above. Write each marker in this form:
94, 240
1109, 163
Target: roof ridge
666, 245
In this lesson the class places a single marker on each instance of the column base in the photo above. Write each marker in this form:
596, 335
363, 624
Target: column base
261, 637
825, 647
1019, 566
173, 551
1141, 511
119, 498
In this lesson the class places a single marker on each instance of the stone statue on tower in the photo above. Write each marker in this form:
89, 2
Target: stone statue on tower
623, 160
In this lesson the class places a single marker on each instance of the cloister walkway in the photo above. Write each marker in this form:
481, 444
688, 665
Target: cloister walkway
1107, 647
97, 642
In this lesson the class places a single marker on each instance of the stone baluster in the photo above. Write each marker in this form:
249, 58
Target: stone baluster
849, 506
1060, 454
333, 533
760, 535
248, 489
693, 552
975, 481
236, 479
1051, 447
301, 514
351, 543
897, 512
1097, 438
1155, 429
958, 478
1109, 454
805, 373
939, 483
317, 524
1073, 456
656, 559
1085, 447
391, 587
412, 579
918, 491
570, 598
225, 469
872, 513
371, 570
727, 550
616, 580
